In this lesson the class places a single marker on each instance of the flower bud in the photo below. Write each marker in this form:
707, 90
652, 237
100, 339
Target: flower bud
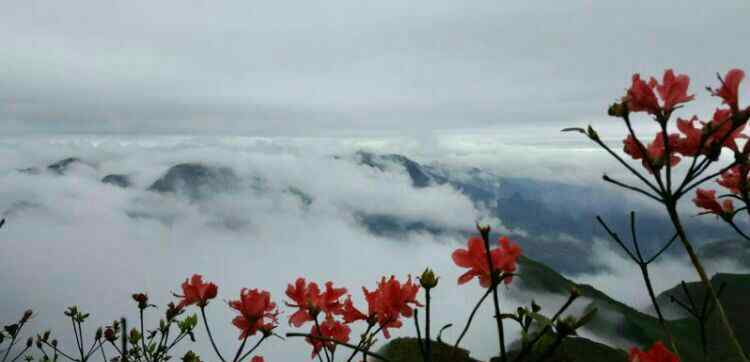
109, 335
142, 300
29, 342
98, 334
135, 336
54, 343
45, 336
484, 230
535, 307
575, 292
593, 135
27, 315
619, 110
172, 311
190, 356
566, 326
11, 330
267, 332
428, 280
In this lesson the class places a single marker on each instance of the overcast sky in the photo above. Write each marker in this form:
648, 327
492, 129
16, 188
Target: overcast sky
388, 66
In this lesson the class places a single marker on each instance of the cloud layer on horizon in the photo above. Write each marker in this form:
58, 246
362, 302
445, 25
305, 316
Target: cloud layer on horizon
91, 251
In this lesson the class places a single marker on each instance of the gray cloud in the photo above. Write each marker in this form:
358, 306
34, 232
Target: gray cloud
291, 68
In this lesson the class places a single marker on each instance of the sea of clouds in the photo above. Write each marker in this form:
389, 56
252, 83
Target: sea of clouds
71, 239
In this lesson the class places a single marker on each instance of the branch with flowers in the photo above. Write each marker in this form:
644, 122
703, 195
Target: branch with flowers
699, 142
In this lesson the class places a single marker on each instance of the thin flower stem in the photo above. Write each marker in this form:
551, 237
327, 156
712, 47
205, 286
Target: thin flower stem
241, 348
633, 188
663, 249
471, 317
643, 265
253, 349
78, 339
662, 321
327, 339
143, 338
59, 351
115, 347
738, 230
176, 340
681, 192
630, 168
362, 340
325, 348
616, 238
419, 337
101, 349
210, 336
93, 349
500, 329
20, 354
428, 341
496, 302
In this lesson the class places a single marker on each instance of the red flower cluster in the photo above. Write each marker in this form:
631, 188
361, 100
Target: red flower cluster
386, 304
330, 328
672, 91
706, 199
734, 179
310, 301
729, 90
195, 291
257, 312
719, 132
657, 353
475, 258
655, 151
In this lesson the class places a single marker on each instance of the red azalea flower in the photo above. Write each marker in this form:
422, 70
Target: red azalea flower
732, 179
350, 313
641, 97
386, 304
722, 124
706, 199
730, 88
330, 328
655, 149
310, 301
257, 359
657, 353
673, 90
257, 312
475, 258
196, 292
690, 144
